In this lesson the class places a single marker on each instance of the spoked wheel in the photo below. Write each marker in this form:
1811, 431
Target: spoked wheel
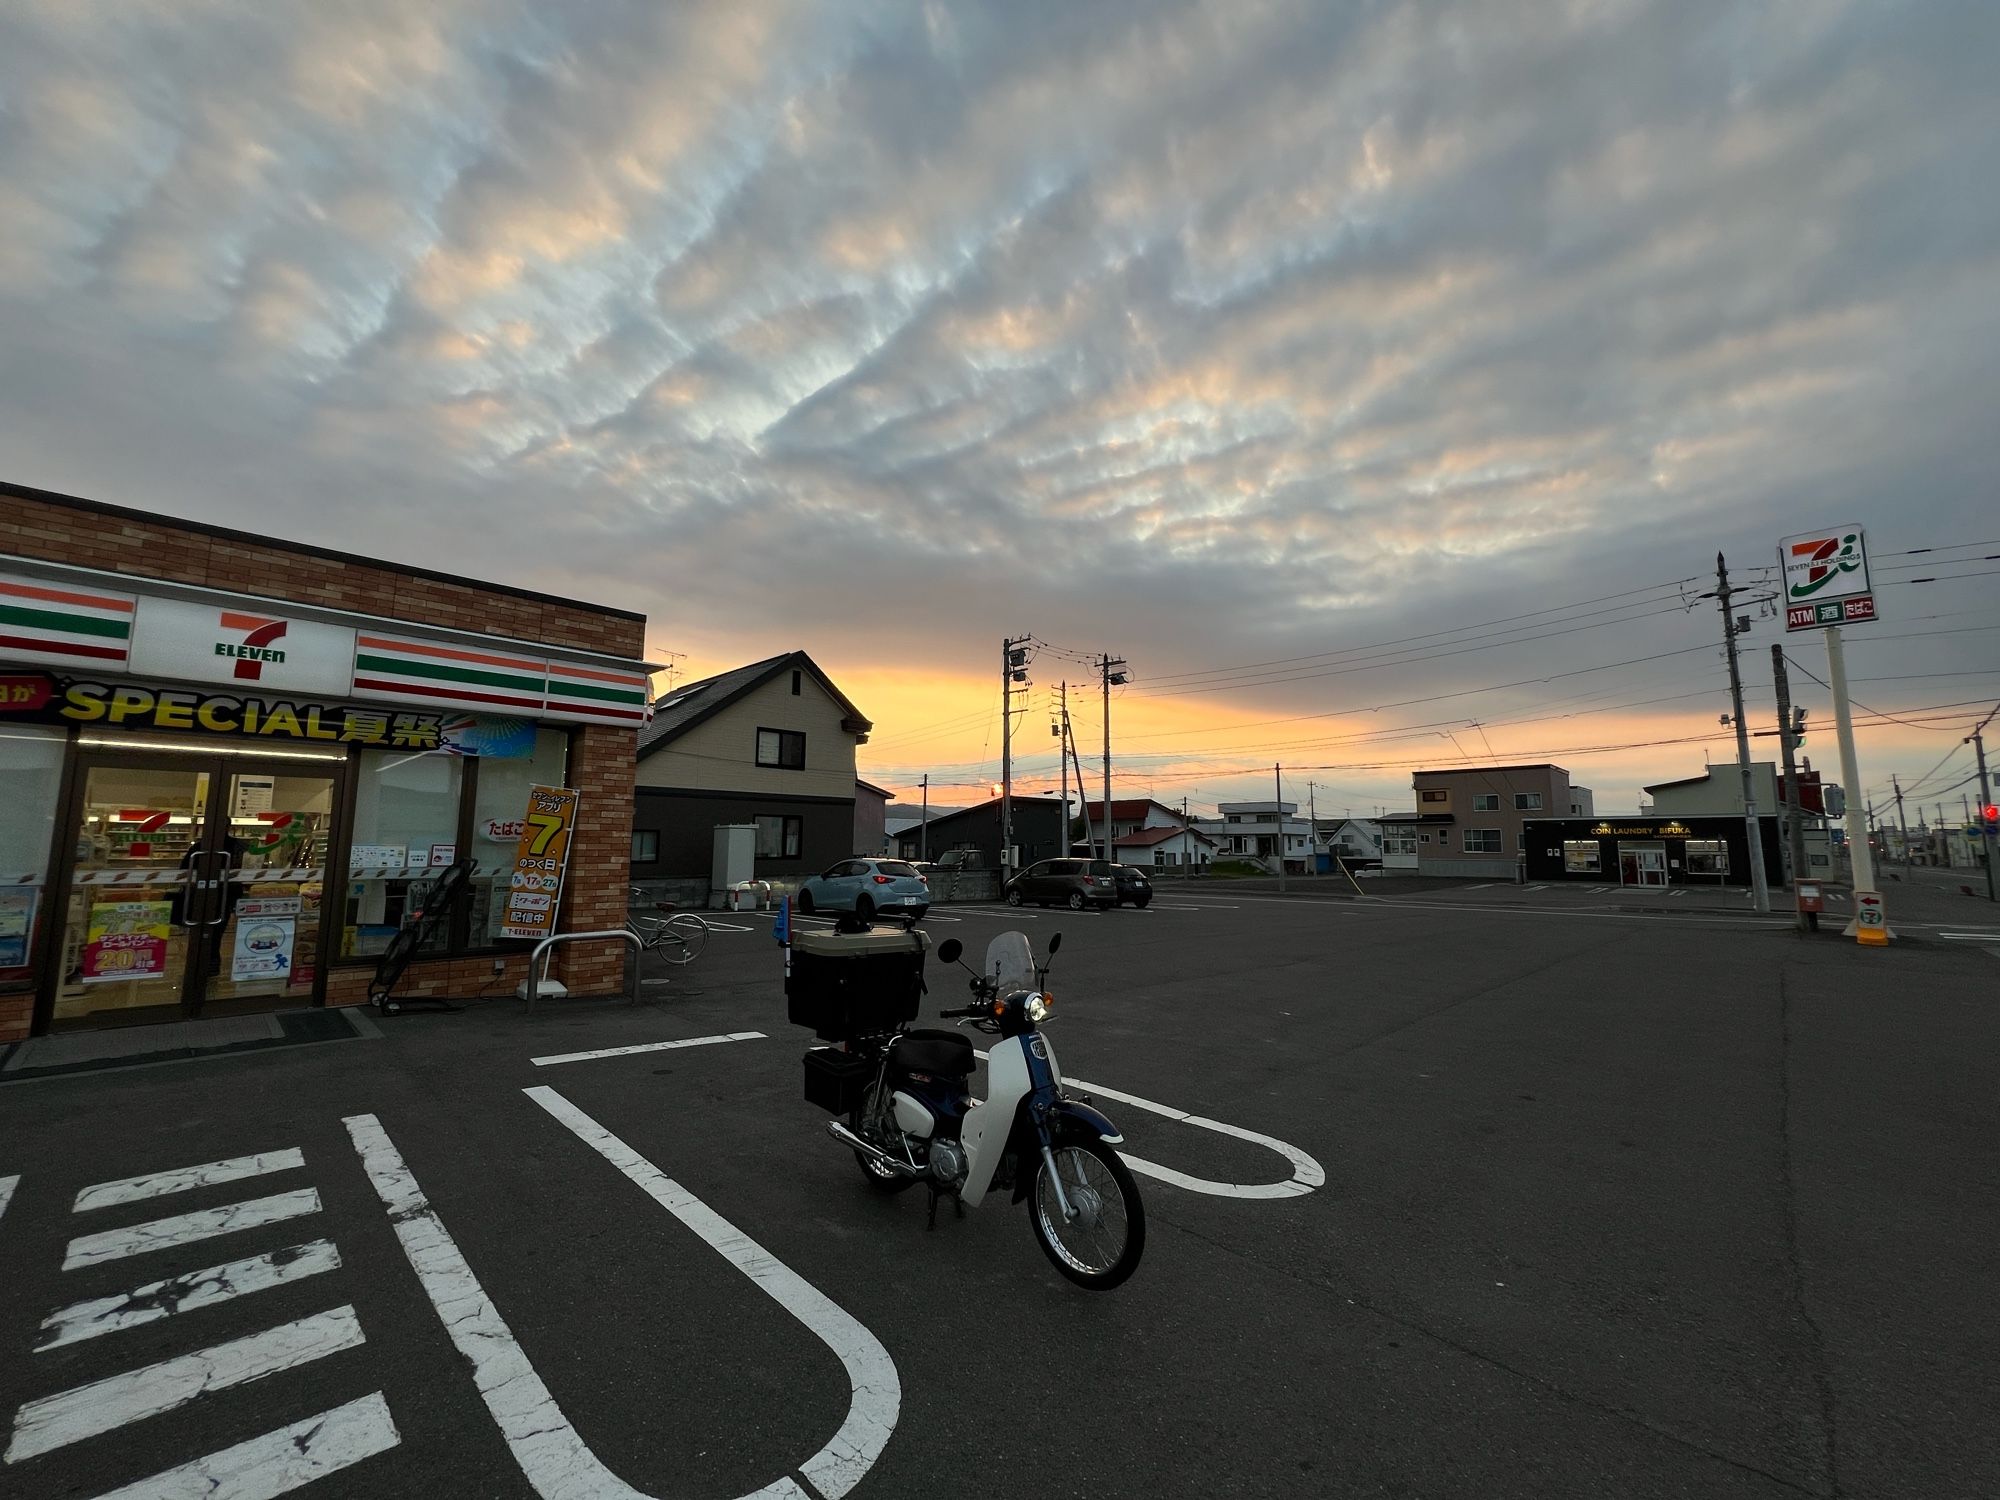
683, 939
880, 1178
1014, 898
1100, 1246
1076, 901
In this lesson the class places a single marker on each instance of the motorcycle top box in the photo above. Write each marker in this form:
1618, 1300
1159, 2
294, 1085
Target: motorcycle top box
853, 984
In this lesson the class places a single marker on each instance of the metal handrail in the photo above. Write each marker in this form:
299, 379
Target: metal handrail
535, 962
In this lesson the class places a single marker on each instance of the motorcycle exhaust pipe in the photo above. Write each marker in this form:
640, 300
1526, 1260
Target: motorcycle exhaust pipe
875, 1154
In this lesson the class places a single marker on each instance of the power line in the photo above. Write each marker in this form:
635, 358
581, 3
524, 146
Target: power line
1405, 641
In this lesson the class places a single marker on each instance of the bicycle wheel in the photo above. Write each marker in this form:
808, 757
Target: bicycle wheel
683, 938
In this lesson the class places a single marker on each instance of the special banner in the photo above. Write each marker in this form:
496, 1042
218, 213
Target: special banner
540, 860
43, 698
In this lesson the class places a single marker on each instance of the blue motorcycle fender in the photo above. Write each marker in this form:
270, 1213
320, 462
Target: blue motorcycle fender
1069, 1117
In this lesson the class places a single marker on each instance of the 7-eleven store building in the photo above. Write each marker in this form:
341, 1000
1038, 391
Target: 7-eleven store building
231, 765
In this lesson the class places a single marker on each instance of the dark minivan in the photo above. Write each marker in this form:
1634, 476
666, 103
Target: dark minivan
1075, 883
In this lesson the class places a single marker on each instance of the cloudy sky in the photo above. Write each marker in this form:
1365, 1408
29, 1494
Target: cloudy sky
1214, 335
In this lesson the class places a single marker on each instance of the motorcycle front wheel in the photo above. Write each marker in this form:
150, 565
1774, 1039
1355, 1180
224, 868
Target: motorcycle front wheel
1101, 1244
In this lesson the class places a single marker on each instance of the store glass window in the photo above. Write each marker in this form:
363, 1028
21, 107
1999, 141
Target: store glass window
405, 824
30, 774
499, 806
1580, 856
645, 846
1707, 857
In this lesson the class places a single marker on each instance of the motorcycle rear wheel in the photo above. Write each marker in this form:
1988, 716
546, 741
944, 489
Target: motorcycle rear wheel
880, 1178
1102, 1247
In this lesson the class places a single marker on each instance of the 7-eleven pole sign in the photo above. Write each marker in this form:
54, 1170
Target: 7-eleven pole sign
1825, 577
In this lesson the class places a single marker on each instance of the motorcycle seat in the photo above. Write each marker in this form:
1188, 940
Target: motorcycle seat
946, 1054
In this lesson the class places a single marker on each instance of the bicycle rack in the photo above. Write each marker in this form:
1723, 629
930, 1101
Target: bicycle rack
536, 962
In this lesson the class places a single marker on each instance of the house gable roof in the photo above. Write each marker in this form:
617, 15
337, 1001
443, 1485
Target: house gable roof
1127, 807
694, 703
1145, 838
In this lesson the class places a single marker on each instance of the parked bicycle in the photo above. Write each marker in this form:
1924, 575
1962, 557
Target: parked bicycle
677, 936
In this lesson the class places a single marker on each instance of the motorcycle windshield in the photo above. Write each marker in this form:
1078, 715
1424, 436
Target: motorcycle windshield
1010, 960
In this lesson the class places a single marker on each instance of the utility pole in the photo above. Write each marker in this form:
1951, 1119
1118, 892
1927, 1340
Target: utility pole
1795, 827
1312, 823
1759, 884
1278, 775
1187, 844
1061, 727
1978, 743
1902, 823
1013, 669
924, 826
1111, 673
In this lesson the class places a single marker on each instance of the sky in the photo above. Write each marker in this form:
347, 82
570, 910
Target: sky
1429, 351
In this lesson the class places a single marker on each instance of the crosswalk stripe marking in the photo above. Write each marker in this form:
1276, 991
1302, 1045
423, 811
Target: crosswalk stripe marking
185, 1293
181, 1179
268, 1466
186, 1229
70, 1416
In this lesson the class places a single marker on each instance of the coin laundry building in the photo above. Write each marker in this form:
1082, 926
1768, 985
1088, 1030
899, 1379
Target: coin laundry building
231, 765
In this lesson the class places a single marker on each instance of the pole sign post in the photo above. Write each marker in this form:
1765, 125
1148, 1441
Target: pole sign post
1826, 579
540, 860
1824, 575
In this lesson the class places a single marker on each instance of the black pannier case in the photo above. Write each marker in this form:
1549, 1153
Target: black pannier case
836, 1080
850, 984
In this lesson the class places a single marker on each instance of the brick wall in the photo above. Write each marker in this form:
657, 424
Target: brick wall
155, 547
16, 1011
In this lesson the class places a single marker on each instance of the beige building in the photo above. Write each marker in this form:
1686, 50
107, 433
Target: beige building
1470, 820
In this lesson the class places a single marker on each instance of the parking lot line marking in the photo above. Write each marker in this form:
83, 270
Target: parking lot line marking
1950, 937
1307, 1173
181, 1179
7, 1186
1486, 887
186, 1229
117, 1400
715, 926
1210, 906
185, 1293
692, 1041
268, 1466
877, 1391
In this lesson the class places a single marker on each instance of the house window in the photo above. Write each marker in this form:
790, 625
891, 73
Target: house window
645, 846
783, 748
1482, 841
1580, 856
779, 837
1527, 801
795, 683
1439, 795
1399, 841
1486, 802
1707, 857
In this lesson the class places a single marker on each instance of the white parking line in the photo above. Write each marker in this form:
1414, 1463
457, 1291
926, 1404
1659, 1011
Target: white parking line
180, 1179
7, 1186
1307, 1173
1211, 906
185, 1293
876, 1391
1486, 887
186, 1229
70, 1416
268, 1466
1970, 937
692, 1041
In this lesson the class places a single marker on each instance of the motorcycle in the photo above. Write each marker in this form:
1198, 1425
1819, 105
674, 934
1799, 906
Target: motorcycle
912, 1119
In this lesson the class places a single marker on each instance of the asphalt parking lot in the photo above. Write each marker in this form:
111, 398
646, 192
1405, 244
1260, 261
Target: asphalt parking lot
1504, 1202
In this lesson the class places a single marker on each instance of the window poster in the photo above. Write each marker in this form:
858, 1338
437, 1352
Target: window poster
127, 940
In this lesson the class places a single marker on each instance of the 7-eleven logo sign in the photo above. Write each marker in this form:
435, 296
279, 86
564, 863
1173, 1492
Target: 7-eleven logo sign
248, 640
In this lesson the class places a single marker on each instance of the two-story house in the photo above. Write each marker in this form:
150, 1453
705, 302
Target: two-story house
1259, 831
1470, 819
770, 744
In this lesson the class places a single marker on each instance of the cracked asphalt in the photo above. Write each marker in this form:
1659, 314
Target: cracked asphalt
1614, 1206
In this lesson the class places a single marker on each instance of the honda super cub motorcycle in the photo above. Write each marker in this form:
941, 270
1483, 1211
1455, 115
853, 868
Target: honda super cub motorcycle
911, 1118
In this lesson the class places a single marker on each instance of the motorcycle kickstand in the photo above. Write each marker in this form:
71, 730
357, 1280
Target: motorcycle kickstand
957, 1204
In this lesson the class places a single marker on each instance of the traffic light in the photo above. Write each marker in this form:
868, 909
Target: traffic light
1991, 814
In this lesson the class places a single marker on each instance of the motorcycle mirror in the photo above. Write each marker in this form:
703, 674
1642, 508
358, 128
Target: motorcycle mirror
949, 949
1055, 942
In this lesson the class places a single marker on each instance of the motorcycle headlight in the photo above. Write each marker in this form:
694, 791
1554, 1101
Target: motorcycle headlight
1038, 1009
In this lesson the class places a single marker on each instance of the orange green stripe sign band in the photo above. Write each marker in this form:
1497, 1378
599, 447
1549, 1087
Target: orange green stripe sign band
41, 622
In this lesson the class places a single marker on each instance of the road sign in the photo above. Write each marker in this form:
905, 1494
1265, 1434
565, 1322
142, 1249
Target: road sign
1871, 922
1825, 578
